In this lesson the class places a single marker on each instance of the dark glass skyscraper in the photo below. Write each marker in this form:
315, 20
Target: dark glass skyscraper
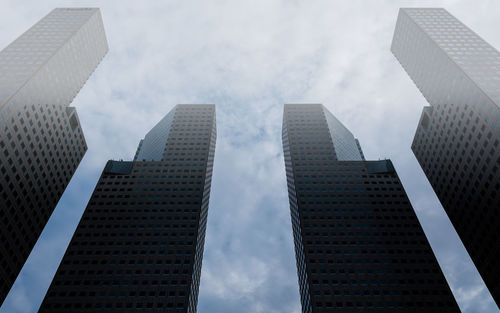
358, 242
457, 141
139, 244
41, 141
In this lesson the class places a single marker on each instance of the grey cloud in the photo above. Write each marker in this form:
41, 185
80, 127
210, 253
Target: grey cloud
249, 57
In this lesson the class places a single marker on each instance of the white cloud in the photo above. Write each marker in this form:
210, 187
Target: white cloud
250, 57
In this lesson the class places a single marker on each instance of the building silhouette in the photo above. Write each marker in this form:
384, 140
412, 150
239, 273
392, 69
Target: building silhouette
41, 141
358, 242
139, 244
457, 141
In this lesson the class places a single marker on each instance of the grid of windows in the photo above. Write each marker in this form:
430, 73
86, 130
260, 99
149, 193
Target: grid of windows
41, 142
139, 244
458, 136
41, 148
51, 61
358, 242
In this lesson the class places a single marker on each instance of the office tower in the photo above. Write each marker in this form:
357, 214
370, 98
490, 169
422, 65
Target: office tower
358, 242
41, 141
139, 244
458, 135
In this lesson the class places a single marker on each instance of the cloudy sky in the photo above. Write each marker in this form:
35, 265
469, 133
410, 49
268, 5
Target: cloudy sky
249, 57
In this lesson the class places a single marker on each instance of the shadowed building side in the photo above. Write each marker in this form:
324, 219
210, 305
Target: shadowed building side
139, 244
358, 242
41, 141
457, 141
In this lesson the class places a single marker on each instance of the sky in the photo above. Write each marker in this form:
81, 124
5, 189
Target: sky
249, 58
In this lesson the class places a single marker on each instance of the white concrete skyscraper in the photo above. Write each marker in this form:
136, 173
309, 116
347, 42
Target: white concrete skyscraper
457, 141
41, 142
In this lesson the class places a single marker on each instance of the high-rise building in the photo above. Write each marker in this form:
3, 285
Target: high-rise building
41, 141
139, 244
457, 141
358, 242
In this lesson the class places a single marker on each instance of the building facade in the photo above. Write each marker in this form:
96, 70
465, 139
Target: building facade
139, 244
41, 141
358, 242
457, 141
